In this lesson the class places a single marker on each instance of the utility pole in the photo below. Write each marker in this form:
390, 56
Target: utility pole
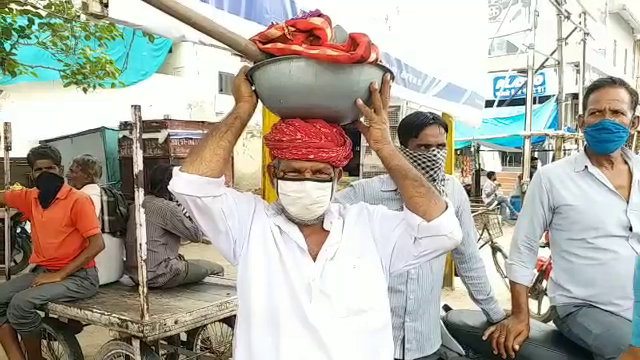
559, 153
583, 71
531, 57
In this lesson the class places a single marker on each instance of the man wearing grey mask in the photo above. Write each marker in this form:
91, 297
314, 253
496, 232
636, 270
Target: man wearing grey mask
415, 294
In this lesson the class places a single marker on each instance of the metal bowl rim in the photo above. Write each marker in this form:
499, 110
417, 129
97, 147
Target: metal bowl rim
263, 63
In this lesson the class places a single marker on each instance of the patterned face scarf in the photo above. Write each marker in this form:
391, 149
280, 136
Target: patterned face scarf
430, 164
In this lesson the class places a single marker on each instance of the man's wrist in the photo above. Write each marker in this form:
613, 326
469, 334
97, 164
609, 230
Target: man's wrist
62, 274
245, 107
385, 150
520, 315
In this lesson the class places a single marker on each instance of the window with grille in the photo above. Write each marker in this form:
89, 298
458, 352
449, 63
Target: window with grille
370, 164
225, 83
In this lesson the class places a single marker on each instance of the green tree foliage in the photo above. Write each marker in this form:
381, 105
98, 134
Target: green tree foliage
62, 30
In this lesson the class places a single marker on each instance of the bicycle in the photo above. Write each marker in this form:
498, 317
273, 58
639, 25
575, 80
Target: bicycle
539, 305
489, 226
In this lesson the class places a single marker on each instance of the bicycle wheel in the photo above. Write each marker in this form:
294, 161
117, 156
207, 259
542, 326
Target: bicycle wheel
500, 262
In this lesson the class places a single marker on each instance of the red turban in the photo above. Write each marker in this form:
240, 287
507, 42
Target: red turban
309, 140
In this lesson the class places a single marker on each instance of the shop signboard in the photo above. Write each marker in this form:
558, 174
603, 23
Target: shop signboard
506, 85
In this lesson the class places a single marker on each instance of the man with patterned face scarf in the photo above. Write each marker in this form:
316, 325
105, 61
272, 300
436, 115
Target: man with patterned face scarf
312, 275
415, 294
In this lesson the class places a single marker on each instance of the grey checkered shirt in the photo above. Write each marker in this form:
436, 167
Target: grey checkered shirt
166, 226
415, 295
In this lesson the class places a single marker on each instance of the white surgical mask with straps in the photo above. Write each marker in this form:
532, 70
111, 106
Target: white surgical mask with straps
305, 199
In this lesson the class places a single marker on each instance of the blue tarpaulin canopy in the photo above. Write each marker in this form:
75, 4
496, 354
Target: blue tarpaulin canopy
139, 58
545, 117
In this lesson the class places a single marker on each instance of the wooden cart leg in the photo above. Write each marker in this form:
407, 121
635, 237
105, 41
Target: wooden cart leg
137, 352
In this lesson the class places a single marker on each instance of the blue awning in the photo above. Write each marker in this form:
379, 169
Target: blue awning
139, 58
545, 117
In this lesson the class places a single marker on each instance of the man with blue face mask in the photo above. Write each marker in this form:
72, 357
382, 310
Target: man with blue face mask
313, 275
590, 202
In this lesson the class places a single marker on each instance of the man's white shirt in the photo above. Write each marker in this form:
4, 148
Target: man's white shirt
292, 308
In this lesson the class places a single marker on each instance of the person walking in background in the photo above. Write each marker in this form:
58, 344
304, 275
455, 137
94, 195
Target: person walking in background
166, 226
492, 196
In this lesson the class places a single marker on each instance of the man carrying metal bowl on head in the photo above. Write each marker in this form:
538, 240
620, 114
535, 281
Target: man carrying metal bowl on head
312, 275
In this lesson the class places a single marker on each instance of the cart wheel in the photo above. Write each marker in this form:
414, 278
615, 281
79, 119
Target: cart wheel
120, 350
58, 343
215, 339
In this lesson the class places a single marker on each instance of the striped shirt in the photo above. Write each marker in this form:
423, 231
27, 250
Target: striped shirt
415, 294
166, 226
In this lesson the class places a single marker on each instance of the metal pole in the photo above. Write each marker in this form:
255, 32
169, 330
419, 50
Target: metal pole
138, 194
560, 68
531, 57
209, 27
583, 75
541, 66
8, 251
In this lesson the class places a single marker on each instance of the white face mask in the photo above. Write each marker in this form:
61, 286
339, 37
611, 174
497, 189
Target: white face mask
305, 200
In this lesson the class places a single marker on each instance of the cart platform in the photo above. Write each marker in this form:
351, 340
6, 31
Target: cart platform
171, 311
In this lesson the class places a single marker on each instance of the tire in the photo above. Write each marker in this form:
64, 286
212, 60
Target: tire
27, 250
117, 349
56, 335
498, 254
220, 332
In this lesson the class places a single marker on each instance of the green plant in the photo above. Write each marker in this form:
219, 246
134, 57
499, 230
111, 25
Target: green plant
62, 30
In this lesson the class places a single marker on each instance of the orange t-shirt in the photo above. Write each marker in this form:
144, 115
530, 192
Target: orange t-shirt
59, 233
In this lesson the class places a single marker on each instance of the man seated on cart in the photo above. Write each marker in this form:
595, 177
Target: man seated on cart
167, 224
66, 239
312, 275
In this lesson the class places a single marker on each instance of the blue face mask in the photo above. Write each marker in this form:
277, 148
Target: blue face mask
606, 136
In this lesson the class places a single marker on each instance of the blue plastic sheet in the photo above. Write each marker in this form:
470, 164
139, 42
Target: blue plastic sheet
545, 117
141, 57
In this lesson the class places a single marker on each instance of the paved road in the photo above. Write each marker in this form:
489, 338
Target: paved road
92, 338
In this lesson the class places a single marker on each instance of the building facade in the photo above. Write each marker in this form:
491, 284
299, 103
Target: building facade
613, 48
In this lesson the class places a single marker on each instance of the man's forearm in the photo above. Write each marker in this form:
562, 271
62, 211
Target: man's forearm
418, 195
96, 245
519, 300
210, 157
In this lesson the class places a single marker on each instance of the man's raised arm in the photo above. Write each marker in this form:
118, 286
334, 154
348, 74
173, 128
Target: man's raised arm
210, 157
224, 215
419, 196
427, 227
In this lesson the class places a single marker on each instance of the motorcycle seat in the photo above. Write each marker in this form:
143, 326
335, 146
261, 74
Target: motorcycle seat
545, 341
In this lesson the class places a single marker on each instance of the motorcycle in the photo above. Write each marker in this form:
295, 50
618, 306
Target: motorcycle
21, 246
466, 327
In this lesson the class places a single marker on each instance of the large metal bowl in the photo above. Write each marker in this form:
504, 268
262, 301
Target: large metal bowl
298, 87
